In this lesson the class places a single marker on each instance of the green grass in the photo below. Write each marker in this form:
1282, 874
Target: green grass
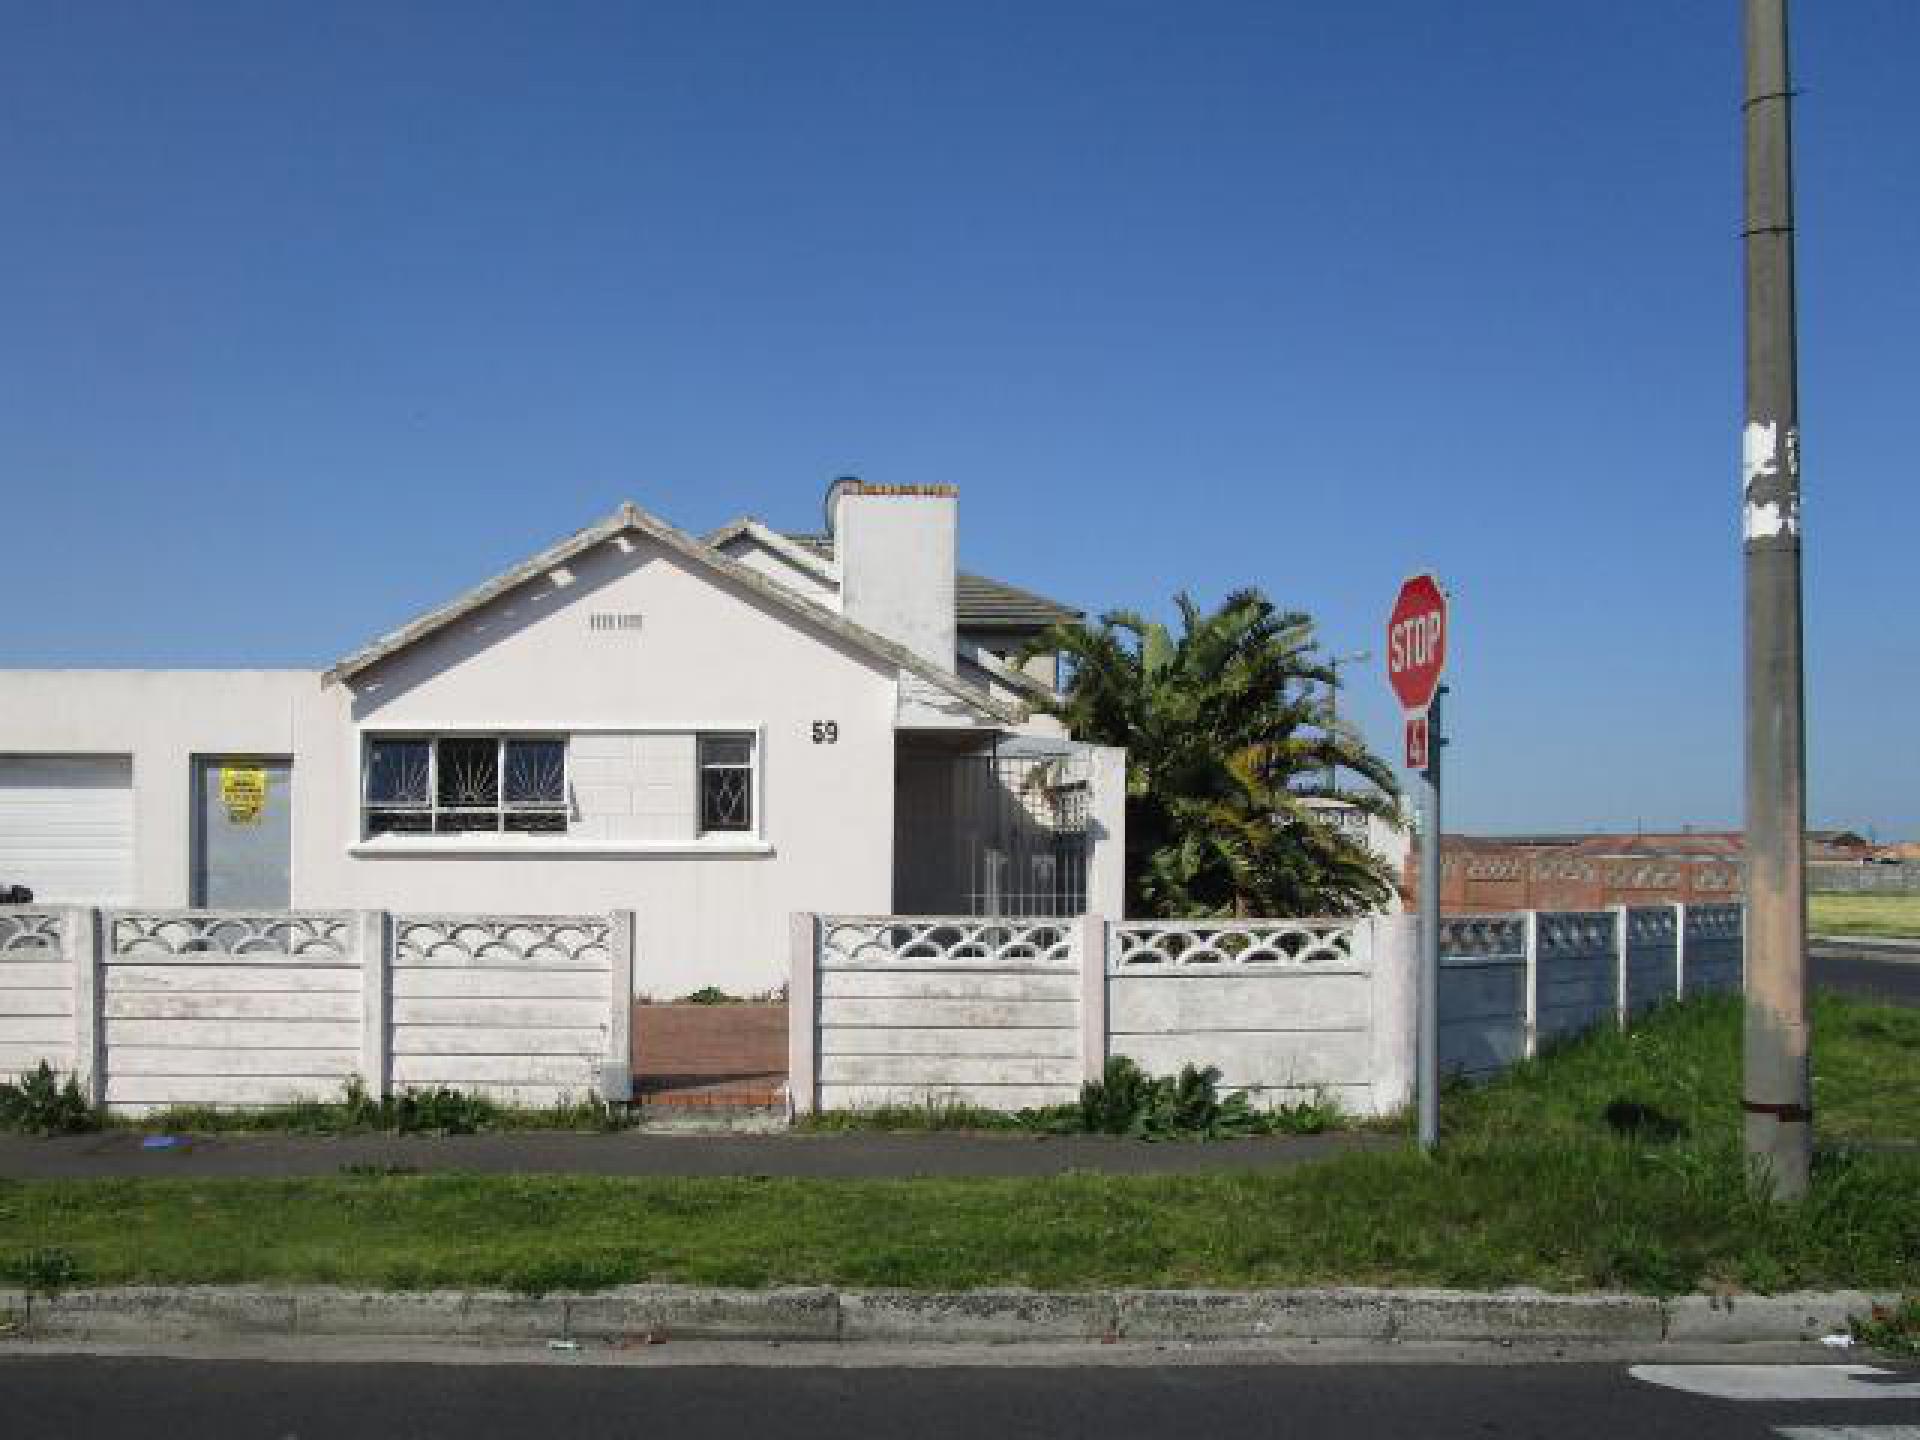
1533, 1186
1879, 916
932, 1114
418, 1112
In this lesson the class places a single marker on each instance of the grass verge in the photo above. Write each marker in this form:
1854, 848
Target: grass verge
1534, 1186
1876, 916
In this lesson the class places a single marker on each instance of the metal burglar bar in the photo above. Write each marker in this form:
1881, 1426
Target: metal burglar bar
991, 834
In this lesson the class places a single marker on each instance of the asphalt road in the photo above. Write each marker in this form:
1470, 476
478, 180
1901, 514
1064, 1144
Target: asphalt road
106, 1398
1884, 973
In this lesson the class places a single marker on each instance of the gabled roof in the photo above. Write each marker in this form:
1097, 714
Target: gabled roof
630, 518
979, 603
802, 557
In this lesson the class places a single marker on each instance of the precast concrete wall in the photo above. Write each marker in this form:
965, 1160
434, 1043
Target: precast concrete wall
157, 1008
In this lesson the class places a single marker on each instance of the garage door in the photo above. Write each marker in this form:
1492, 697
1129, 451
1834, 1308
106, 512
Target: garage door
66, 827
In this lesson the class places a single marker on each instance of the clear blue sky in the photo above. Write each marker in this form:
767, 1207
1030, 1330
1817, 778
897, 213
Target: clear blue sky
315, 315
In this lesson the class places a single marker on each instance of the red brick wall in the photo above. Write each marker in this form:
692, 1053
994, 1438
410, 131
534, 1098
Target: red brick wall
1485, 878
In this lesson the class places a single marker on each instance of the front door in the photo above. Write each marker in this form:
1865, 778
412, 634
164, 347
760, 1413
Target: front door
242, 832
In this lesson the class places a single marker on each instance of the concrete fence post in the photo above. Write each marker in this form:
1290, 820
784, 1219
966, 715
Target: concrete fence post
1390, 945
1530, 930
1620, 966
616, 1071
1680, 952
373, 945
1093, 941
803, 1033
81, 938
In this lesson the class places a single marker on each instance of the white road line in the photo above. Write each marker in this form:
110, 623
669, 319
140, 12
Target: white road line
1849, 1432
1780, 1382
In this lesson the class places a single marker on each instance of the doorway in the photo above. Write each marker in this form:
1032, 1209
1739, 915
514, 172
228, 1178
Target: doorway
242, 832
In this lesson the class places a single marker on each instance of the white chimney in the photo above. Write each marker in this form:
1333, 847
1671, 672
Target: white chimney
895, 548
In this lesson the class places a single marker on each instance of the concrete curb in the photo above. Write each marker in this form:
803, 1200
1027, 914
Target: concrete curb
1881, 943
1002, 1316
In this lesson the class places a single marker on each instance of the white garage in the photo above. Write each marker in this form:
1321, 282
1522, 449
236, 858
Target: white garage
66, 827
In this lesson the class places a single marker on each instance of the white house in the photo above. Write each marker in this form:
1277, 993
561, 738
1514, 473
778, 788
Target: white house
712, 732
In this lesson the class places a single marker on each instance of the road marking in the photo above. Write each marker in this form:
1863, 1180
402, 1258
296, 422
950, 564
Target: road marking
1849, 1432
1781, 1382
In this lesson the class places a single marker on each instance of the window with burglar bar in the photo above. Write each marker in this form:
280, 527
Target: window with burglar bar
465, 784
726, 783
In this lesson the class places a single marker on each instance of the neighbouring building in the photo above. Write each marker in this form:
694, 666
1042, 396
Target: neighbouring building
1485, 873
714, 732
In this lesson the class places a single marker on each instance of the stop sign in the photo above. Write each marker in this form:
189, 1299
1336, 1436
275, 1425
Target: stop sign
1417, 641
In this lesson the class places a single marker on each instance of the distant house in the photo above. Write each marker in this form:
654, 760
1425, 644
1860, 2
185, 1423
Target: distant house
713, 732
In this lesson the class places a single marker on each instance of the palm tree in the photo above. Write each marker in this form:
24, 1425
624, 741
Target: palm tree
1226, 731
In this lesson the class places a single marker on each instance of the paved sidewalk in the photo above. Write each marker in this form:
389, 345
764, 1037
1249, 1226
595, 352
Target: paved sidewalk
120, 1154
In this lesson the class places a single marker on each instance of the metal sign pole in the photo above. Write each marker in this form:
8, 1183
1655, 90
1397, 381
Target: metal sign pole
1428, 1059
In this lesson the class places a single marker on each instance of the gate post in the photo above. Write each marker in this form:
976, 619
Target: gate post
1392, 944
1107, 822
616, 1073
803, 990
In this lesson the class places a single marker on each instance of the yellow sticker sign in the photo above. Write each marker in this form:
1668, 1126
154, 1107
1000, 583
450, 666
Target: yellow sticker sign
243, 790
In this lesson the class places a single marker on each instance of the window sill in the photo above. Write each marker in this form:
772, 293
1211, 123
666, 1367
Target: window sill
389, 848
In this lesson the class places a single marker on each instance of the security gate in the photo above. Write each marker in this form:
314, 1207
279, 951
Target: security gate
990, 834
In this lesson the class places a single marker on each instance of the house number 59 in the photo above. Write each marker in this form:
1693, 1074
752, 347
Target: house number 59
826, 732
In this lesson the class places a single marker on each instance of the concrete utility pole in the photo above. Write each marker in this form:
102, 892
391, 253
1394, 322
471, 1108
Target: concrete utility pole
1777, 1092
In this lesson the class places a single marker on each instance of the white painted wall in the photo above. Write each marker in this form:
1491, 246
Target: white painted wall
711, 911
160, 719
976, 1011
36, 993
1286, 1010
223, 1028
515, 1008
150, 1008
708, 656
1009, 1014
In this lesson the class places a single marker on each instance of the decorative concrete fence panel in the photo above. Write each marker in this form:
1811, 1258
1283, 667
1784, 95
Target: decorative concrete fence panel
1006, 1014
1715, 954
1484, 977
225, 1008
518, 1008
1284, 1009
1578, 985
998, 1013
1828, 878
36, 991
151, 1008
902, 1011
1653, 962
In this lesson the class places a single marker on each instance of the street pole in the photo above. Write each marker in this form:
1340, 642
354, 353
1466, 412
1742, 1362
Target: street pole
1777, 1094
1428, 1049
1334, 662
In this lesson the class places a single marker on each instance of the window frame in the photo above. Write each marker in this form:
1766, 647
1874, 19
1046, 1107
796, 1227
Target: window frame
501, 808
750, 767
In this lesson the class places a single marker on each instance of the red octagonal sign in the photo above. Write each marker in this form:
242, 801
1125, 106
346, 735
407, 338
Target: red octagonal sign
1417, 641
